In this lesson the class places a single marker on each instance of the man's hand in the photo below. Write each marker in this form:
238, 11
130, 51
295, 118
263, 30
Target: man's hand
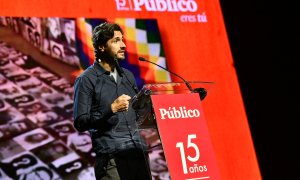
120, 104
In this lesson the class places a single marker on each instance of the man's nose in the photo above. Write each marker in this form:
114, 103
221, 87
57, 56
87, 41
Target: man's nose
123, 45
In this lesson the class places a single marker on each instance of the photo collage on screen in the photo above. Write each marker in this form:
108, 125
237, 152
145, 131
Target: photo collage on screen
36, 130
37, 137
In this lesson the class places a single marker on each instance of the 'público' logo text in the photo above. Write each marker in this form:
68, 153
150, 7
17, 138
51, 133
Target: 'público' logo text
181, 112
181, 6
157, 5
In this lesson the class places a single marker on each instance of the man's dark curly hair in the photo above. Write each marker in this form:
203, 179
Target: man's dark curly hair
101, 34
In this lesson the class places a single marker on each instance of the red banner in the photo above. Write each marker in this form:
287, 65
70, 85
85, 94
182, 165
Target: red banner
184, 136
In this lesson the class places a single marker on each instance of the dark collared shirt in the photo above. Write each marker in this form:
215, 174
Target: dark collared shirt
95, 91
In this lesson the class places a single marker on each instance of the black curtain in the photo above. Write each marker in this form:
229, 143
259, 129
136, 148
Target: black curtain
264, 89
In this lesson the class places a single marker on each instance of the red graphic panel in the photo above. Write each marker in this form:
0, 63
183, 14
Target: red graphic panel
185, 138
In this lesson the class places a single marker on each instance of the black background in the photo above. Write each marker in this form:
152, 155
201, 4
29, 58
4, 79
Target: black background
264, 89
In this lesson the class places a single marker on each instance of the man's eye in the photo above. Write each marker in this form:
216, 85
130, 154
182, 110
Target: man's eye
118, 40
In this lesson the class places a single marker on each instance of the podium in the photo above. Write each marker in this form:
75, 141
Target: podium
175, 111
142, 100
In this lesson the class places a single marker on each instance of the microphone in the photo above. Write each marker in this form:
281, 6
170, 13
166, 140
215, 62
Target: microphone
202, 92
186, 83
119, 69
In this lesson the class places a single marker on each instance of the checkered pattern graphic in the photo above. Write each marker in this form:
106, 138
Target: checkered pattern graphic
142, 39
84, 44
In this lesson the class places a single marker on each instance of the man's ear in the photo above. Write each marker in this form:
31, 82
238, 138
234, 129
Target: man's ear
101, 48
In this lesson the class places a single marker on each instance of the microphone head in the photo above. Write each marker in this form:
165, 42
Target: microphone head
142, 59
201, 91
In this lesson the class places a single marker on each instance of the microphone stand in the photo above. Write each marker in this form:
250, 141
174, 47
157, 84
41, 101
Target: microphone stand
186, 83
202, 91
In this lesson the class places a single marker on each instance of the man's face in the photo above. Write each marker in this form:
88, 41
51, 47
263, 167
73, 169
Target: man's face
53, 24
83, 142
17, 126
46, 116
37, 175
69, 30
115, 47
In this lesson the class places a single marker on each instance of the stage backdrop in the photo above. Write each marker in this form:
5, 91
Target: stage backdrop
195, 45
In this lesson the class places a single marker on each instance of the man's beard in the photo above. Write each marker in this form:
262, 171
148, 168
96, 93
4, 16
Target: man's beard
106, 57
